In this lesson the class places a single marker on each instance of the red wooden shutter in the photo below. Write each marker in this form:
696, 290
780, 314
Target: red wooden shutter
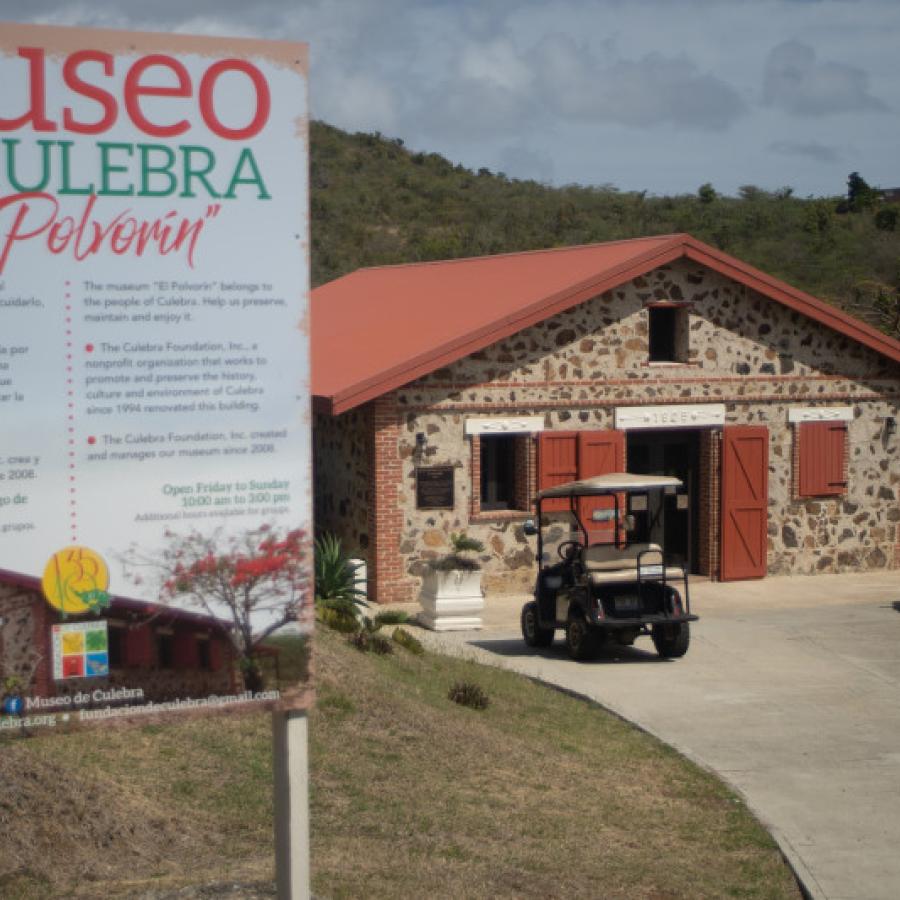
557, 463
139, 647
745, 497
822, 458
184, 650
599, 453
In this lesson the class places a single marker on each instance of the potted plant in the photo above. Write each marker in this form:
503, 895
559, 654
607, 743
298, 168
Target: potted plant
452, 598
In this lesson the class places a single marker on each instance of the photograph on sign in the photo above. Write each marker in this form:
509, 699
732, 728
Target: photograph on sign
155, 513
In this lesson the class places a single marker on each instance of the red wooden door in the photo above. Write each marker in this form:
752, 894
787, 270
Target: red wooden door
600, 453
568, 455
745, 498
557, 463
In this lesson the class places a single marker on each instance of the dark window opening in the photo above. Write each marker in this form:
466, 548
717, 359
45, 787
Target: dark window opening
204, 657
498, 472
165, 650
666, 333
116, 644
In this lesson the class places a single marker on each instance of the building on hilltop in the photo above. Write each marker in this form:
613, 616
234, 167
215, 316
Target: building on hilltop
446, 394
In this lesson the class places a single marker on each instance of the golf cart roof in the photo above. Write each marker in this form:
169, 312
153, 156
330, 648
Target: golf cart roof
614, 483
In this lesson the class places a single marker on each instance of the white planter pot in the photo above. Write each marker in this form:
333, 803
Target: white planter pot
452, 600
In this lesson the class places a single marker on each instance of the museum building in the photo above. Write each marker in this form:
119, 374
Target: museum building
164, 652
447, 394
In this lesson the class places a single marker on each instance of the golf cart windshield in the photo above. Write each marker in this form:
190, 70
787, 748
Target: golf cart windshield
605, 509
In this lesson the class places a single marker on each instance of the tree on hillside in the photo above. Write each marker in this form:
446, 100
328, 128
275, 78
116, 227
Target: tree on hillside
860, 195
706, 193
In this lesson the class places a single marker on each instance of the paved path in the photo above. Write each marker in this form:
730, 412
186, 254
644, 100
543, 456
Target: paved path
790, 691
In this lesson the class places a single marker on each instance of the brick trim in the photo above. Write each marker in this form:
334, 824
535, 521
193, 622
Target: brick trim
387, 582
619, 382
523, 488
611, 403
709, 511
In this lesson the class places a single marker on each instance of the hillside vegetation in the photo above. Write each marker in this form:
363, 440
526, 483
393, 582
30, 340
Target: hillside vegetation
374, 202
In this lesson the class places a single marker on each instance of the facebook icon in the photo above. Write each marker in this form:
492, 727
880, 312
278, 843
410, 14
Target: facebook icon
12, 706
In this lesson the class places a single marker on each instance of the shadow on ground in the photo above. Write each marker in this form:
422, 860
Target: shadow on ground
608, 655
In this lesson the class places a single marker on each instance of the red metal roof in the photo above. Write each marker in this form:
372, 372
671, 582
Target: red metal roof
377, 329
160, 611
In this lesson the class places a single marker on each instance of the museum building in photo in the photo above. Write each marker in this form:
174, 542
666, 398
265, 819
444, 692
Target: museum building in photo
447, 393
162, 652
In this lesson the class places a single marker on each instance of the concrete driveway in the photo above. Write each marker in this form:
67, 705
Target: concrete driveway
790, 691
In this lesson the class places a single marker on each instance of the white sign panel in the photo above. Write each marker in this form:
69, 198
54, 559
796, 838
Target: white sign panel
510, 425
687, 415
153, 292
821, 414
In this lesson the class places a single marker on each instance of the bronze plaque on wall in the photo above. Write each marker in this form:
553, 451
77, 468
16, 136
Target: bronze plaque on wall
434, 487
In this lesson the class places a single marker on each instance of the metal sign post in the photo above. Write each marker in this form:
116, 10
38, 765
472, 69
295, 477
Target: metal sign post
290, 764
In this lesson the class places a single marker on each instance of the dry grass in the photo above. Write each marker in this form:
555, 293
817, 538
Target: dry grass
538, 795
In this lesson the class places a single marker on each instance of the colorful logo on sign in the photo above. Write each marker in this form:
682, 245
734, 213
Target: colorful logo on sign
80, 650
75, 581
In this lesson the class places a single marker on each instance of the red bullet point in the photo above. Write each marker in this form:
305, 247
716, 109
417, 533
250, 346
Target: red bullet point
92, 440
89, 348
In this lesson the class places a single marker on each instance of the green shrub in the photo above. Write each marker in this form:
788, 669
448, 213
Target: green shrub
370, 642
338, 619
461, 544
402, 637
467, 693
886, 219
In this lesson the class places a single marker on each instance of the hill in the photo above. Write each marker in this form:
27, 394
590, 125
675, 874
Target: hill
538, 795
374, 202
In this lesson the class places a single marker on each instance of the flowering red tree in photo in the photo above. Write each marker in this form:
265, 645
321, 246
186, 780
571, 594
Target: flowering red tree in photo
257, 579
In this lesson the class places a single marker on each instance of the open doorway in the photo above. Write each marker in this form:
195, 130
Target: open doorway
676, 453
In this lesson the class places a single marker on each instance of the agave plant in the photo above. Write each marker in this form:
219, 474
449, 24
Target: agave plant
337, 596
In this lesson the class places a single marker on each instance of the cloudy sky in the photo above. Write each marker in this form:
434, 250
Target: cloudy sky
661, 95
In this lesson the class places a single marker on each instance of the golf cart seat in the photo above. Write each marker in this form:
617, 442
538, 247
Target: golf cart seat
605, 562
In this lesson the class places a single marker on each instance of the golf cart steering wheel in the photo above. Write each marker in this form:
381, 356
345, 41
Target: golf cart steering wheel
567, 550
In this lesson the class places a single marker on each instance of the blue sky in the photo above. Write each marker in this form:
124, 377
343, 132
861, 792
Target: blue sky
657, 95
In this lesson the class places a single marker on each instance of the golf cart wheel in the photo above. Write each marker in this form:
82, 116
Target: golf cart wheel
534, 635
582, 641
671, 641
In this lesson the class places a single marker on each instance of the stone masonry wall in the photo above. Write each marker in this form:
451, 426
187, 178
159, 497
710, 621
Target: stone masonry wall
19, 655
341, 463
746, 351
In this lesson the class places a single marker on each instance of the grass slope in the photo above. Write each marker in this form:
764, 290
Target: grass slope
539, 795
373, 202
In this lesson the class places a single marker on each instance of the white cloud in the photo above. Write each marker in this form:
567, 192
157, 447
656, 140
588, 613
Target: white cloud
495, 64
356, 102
797, 82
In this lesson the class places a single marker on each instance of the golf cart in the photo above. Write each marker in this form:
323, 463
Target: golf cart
608, 583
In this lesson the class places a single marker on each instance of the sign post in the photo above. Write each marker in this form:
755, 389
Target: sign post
290, 758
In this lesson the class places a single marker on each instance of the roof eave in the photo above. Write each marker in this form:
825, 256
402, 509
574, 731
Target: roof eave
425, 363
679, 245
